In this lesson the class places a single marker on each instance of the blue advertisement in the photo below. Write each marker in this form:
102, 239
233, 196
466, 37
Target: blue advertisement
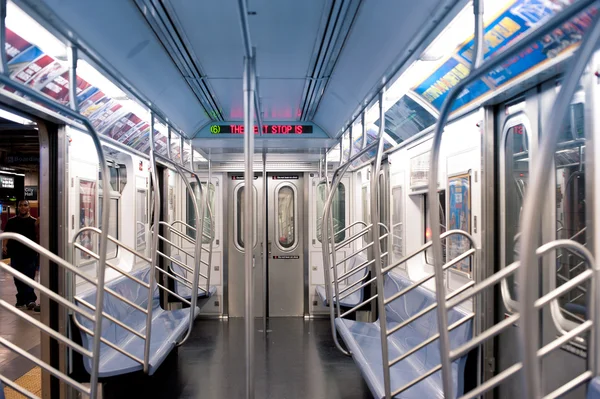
517, 19
459, 218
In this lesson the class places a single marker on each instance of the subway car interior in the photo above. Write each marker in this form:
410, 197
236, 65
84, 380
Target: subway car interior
421, 219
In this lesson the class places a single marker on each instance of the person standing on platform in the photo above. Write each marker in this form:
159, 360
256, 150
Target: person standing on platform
22, 258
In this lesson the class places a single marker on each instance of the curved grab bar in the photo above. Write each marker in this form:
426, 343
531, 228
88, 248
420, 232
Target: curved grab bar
493, 62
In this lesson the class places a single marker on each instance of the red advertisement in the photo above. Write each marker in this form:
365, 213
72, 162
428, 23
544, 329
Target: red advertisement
14, 45
133, 131
46, 75
123, 125
58, 89
27, 73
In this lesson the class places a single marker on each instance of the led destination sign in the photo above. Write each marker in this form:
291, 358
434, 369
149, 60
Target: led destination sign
267, 129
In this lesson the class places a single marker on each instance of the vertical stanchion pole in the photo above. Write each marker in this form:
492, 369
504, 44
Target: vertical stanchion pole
154, 246
3, 62
364, 130
72, 54
169, 142
377, 252
181, 141
265, 247
249, 220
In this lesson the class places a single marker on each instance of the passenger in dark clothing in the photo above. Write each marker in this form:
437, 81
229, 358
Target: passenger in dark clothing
22, 258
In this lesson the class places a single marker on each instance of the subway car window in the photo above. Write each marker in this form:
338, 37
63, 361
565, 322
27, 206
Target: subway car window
117, 182
141, 199
397, 223
338, 211
516, 174
191, 211
366, 211
286, 219
571, 211
427, 231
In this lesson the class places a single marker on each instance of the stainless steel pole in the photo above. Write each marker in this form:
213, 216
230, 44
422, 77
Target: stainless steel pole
249, 220
532, 214
377, 252
265, 240
154, 246
3, 63
479, 50
72, 78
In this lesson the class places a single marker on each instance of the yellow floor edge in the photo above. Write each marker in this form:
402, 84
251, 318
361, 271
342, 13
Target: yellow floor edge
32, 381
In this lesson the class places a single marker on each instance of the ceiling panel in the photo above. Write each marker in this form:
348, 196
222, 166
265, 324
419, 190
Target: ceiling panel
285, 35
213, 29
229, 93
118, 32
380, 35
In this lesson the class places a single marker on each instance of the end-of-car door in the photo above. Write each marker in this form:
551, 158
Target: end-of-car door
285, 245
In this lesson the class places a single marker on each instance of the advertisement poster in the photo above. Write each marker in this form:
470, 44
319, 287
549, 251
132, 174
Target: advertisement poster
58, 89
459, 218
419, 170
518, 18
87, 215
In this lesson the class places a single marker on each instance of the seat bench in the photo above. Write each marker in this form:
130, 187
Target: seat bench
364, 341
594, 389
168, 327
356, 297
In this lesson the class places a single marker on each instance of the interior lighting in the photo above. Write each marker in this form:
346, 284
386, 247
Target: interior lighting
23, 25
15, 118
95, 78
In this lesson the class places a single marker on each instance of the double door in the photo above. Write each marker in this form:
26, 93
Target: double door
279, 274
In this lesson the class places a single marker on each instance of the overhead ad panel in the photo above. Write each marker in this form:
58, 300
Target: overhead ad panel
519, 17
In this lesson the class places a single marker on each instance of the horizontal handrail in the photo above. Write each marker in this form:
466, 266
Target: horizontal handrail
428, 309
190, 227
183, 265
363, 285
429, 244
56, 373
118, 269
353, 238
59, 337
359, 306
112, 239
52, 295
175, 246
356, 269
177, 232
109, 317
108, 343
431, 339
430, 276
175, 294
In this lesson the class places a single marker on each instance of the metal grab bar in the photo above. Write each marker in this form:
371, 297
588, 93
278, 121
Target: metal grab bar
475, 74
188, 226
427, 245
93, 355
156, 222
74, 114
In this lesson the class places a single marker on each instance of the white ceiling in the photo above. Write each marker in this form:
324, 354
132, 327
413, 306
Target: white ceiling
287, 35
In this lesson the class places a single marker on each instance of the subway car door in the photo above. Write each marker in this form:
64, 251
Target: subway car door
517, 128
236, 245
285, 245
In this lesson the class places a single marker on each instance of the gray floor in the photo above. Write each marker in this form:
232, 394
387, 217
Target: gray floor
17, 331
297, 359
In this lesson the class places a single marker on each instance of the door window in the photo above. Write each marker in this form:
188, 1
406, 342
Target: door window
338, 211
286, 217
516, 175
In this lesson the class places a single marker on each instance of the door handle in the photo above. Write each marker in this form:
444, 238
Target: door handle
269, 247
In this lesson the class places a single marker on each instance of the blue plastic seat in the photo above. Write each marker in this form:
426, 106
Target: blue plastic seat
1, 390
168, 327
594, 389
364, 341
183, 290
356, 297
